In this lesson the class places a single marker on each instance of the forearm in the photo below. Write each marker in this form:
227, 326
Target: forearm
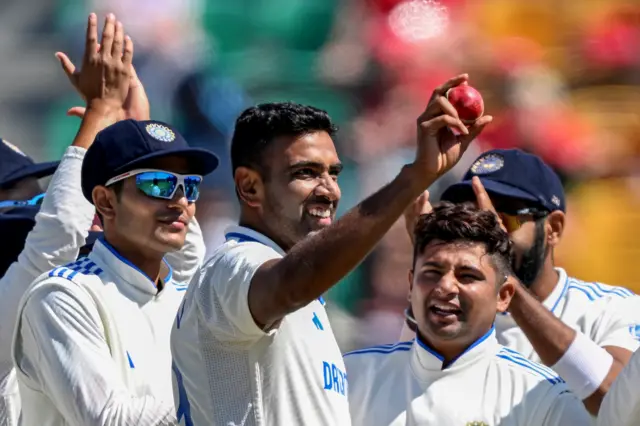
319, 261
587, 368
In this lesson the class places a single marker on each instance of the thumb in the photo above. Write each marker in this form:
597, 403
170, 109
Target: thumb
67, 65
423, 205
76, 112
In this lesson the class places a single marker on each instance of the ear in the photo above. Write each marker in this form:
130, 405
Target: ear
104, 199
505, 293
410, 276
249, 186
555, 227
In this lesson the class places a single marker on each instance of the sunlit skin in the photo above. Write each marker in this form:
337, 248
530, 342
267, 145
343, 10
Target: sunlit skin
297, 193
142, 228
455, 294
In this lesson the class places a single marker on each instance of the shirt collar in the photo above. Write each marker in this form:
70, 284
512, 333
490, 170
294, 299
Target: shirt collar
109, 259
427, 362
552, 301
243, 234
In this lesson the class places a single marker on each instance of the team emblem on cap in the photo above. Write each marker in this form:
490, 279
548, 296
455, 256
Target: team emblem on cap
13, 148
488, 164
160, 132
555, 200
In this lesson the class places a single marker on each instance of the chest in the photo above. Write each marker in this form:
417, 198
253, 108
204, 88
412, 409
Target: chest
138, 333
482, 397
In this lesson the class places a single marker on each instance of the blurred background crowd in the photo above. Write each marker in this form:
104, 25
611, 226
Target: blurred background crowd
560, 77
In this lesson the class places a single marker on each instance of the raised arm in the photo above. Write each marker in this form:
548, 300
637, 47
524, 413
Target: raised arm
315, 264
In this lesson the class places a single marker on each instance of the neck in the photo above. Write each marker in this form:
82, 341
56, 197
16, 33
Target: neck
149, 262
543, 286
450, 350
258, 225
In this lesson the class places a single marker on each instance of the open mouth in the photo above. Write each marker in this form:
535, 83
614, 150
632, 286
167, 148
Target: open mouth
445, 310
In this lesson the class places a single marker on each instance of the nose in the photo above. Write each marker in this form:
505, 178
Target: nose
448, 285
328, 188
179, 198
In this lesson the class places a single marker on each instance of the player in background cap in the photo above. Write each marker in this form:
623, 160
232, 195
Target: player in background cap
252, 343
585, 331
455, 372
104, 313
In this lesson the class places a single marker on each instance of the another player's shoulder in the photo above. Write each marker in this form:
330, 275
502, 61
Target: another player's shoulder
233, 253
595, 293
525, 371
375, 358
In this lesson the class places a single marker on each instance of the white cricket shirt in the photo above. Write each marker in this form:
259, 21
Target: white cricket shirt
62, 224
488, 385
621, 405
606, 314
227, 371
91, 345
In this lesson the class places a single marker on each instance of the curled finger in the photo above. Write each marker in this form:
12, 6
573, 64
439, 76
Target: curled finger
453, 82
474, 130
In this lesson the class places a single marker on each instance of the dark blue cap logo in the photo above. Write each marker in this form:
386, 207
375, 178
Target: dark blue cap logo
160, 132
487, 164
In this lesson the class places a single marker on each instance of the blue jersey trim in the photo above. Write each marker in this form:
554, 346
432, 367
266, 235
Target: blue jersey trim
81, 266
539, 369
433, 352
383, 349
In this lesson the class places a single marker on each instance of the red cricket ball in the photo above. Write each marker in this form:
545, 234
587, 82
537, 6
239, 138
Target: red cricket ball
467, 101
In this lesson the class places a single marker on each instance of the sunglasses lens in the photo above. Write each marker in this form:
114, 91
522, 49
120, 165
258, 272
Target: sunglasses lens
157, 184
192, 187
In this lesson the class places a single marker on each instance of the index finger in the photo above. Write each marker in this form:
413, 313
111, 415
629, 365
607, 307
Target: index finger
91, 43
482, 198
453, 82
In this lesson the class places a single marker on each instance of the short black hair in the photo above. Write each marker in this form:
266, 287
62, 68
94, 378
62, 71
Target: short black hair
259, 125
464, 222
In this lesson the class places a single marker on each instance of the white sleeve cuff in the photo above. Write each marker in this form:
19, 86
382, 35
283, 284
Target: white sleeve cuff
584, 366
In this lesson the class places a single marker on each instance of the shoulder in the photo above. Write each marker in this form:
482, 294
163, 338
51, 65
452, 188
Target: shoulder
235, 259
594, 293
522, 369
370, 360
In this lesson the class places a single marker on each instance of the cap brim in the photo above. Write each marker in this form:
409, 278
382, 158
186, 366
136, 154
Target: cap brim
38, 171
463, 191
201, 161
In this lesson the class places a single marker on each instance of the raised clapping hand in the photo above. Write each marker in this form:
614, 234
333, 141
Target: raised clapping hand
107, 72
439, 148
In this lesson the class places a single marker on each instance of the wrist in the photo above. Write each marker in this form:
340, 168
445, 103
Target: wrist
417, 180
106, 109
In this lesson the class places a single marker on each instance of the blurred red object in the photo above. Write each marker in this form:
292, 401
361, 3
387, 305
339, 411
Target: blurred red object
614, 41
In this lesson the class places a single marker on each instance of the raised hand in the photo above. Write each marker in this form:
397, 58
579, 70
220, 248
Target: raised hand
106, 71
442, 137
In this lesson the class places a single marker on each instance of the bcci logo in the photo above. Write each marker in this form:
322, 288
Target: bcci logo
488, 164
160, 132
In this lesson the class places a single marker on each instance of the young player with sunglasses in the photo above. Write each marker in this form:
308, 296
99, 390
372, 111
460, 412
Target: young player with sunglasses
91, 345
585, 331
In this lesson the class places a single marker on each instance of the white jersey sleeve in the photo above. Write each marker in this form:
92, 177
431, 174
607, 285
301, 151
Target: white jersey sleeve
224, 289
61, 227
567, 409
60, 347
616, 326
186, 261
621, 405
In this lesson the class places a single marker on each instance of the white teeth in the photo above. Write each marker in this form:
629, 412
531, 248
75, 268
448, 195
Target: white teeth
320, 213
446, 308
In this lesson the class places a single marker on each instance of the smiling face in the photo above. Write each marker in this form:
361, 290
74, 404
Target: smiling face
455, 292
297, 193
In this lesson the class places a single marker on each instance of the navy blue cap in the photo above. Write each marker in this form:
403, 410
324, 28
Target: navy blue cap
15, 225
16, 165
130, 144
515, 174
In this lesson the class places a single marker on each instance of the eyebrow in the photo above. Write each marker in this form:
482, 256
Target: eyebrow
334, 168
439, 265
